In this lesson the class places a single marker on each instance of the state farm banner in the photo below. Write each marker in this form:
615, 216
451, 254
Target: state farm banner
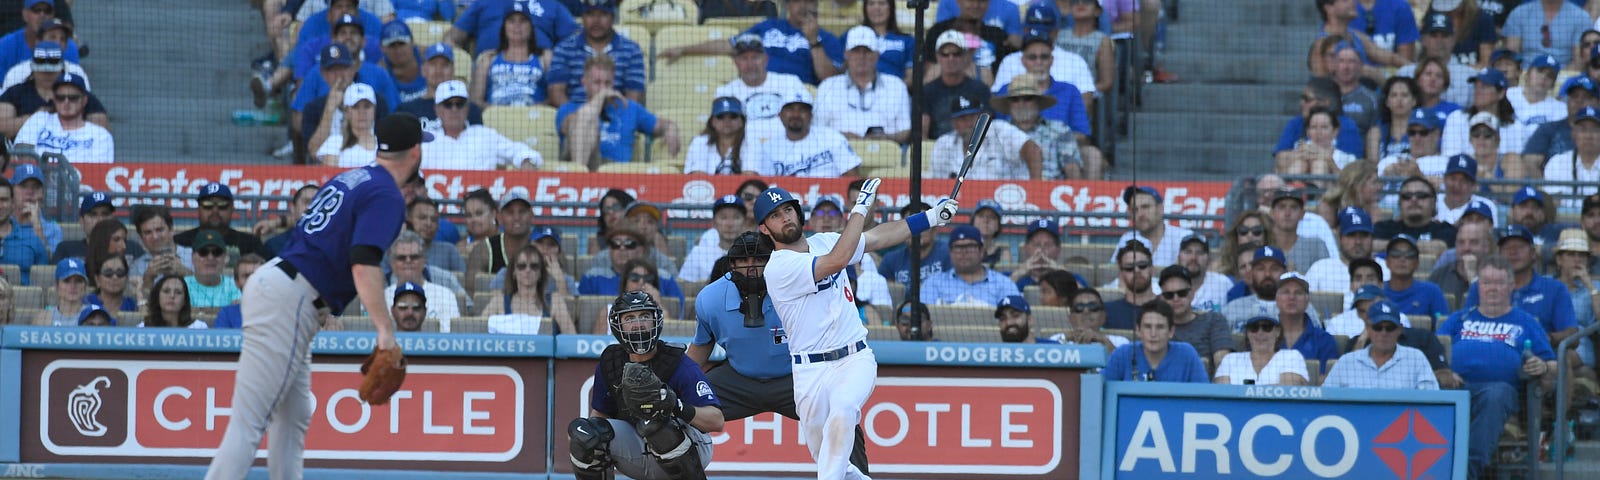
456, 414
184, 180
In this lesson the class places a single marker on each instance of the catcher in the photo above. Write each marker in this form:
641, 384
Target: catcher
640, 424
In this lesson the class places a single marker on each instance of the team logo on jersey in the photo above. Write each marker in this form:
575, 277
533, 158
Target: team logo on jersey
83, 407
702, 389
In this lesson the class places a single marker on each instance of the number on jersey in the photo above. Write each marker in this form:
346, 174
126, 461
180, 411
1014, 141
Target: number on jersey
322, 210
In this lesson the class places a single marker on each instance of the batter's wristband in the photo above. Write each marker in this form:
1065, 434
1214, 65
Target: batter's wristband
918, 223
685, 411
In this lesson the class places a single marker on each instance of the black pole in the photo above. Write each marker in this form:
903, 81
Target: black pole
919, 33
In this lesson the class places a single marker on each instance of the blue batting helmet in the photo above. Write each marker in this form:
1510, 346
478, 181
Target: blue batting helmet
773, 198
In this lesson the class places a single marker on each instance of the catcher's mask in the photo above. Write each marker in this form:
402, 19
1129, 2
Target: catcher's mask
638, 340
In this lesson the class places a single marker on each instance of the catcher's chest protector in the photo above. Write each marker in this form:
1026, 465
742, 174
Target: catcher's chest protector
664, 364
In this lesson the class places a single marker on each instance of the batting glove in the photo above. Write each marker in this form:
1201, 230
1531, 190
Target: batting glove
867, 198
942, 213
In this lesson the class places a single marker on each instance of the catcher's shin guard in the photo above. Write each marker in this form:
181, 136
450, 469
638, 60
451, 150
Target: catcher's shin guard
673, 449
590, 442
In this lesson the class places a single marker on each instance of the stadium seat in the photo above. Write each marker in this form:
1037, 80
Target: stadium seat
678, 328
72, 231
534, 126
840, 25
657, 14
715, 69
1313, 372
634, 167
12, 273
1445, 341
1093, 254
879, 333
1425, 322
28, 297
589, 308
673, 36
877, 154
683, 94
897, 292
1031, 294
560, 166
968, 333
638, 33
688, 309
739, 24
962, 315
1342, 342
424, 34
463, 63
44, 274
480, 282
1324, 376
469, 325
1327, 304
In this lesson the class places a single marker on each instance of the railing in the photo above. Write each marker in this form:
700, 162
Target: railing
1561, 429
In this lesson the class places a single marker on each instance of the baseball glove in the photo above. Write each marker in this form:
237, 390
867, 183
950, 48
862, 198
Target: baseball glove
644, 393
384, 371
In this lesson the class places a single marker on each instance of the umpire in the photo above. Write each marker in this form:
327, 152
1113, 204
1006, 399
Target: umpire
756, 376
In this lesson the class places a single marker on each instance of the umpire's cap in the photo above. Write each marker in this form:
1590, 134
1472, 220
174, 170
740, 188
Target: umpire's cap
750, 245
773, 198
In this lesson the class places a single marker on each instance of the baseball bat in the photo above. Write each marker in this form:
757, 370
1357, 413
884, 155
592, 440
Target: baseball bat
973, 144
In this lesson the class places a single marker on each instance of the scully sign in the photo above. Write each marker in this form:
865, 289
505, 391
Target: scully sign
116, 408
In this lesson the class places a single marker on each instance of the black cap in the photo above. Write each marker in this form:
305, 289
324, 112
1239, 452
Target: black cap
1175, 271
399, 132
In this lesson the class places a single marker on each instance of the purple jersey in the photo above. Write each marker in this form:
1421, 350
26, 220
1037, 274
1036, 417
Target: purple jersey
688, 381
358, 207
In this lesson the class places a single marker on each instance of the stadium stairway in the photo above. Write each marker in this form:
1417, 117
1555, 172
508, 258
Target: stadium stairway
171, 72
1240, 67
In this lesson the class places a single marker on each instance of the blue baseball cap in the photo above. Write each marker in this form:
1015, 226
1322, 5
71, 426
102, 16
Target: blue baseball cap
987, 204
1527, 192
68, 267
1479, 207
1036, 34
1587, 113
1262, 318
1195, 238
1368, 293
439, 50
586, 6
727, 105
1014, 302
771, 199
31, 3
1503, 54
1044, 225
394, 32
1385, 311
1463, 164
1354, 220
1513, 231
92, 310
47, 57
94, 200
1438, 22
1425, 118
1582, 82
348, 19
961, 106
214, 189
541, 233
24, 172
409, 287
1545, 61
966, 232
728, 201
1490, 76
335, 55
1127, 193
838, 203
1267, 252
1400, 237
69, 78
1040, 13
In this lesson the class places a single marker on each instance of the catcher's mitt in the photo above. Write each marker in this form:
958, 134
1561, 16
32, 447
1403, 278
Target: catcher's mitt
384, 371
643, 392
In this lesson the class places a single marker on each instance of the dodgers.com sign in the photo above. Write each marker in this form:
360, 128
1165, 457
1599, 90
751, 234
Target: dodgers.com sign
1291, 432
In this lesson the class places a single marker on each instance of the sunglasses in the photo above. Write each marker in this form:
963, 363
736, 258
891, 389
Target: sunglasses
530, 266
1135, 266
637, 277
1403, 254
408, 258
1418, 132
453, 104
1252, 231
414, 307
215, 205
1038, 57
625, 244
951, 54
1087, 307
118, 273
826, 213
1484, 135
1415, 195
748, 197
1260, 327
69, 98
211, 252
1175, 294
1384, 327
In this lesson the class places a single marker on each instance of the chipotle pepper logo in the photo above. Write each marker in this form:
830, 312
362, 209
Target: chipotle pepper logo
84, 407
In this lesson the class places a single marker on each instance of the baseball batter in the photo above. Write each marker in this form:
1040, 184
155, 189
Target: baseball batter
332, 256
834, 371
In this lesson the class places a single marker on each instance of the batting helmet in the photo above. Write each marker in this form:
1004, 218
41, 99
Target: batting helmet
636, 341
750, 245
773, 198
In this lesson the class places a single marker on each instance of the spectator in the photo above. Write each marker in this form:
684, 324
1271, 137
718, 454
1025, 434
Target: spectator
21, 246
298, 204
1008, 152
1532, 100
338, 67
1418, 338
624, 245
933, 255
230, 316
402, 60
459, 145
914, 323
1206, 331
1050, 60
761, 92
1155, 358
1417, 219
1073, 105
28, 183
1389, 23
1250, 230
36, 91
108, 239
322, 116
424, 10
355, 144
806, 149
570, 65
995, 14
1389, 137
1359, 102
1473, 242
1058, 287
1437, 58
1266, 266
1580, 54
95, 316
1364, 287
216, 213
163, 255
1293, 299
1489, 96
863, 102
422, 216
1532, 208
53, 59
1318, 153
315, 33
1358, 186
38, 16
1085, 38
986, 216
968, 282
1510, 64
480, 211
208, 287
605, 109
1413, 296
1460, 191
1486, 144
1059, 146
1146, 212
1489, 345
1385, 362
647, 219
409, 305
726, 146
1041, 251
1133, 261
67, 131
728, 219
957, 80
168, 305
1265, 360
1210, 288
408, 264
1555, 137
1579, 164
1337, 19
1546, 27
1355, 243
1016, 321
1547, 299
479, 24
536, 290
1478, 34
93, 208
988, 42
71, 285
613, 206
111, 285
1572, 269
798, 47
895, 52
642, 275
515, 217
516, 73
438, 66
1422, 134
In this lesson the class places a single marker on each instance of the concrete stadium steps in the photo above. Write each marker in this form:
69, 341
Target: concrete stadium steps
1247, 12
1272, 71
1212, 98
169, 95
1234, 39
1170, 159
1244, 129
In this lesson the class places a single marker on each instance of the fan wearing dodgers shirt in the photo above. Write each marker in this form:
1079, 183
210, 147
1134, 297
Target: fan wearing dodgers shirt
332, 257
833, 369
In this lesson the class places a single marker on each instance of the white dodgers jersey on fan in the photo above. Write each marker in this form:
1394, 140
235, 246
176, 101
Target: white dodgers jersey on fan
820, 315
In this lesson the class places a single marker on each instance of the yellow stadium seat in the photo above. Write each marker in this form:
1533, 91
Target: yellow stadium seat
657, 14
534, 126
634, 167
684, 35
553, 165
463, 63
883, 172
839, 25
877, 154
637, 33
29, 297
690, 94
738, 23
668, 162
714, 69
424, 34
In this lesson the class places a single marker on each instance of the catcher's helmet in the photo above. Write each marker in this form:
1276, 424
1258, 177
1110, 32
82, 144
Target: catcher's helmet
639, 341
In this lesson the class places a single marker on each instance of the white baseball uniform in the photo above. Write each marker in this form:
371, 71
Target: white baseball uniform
821, 317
